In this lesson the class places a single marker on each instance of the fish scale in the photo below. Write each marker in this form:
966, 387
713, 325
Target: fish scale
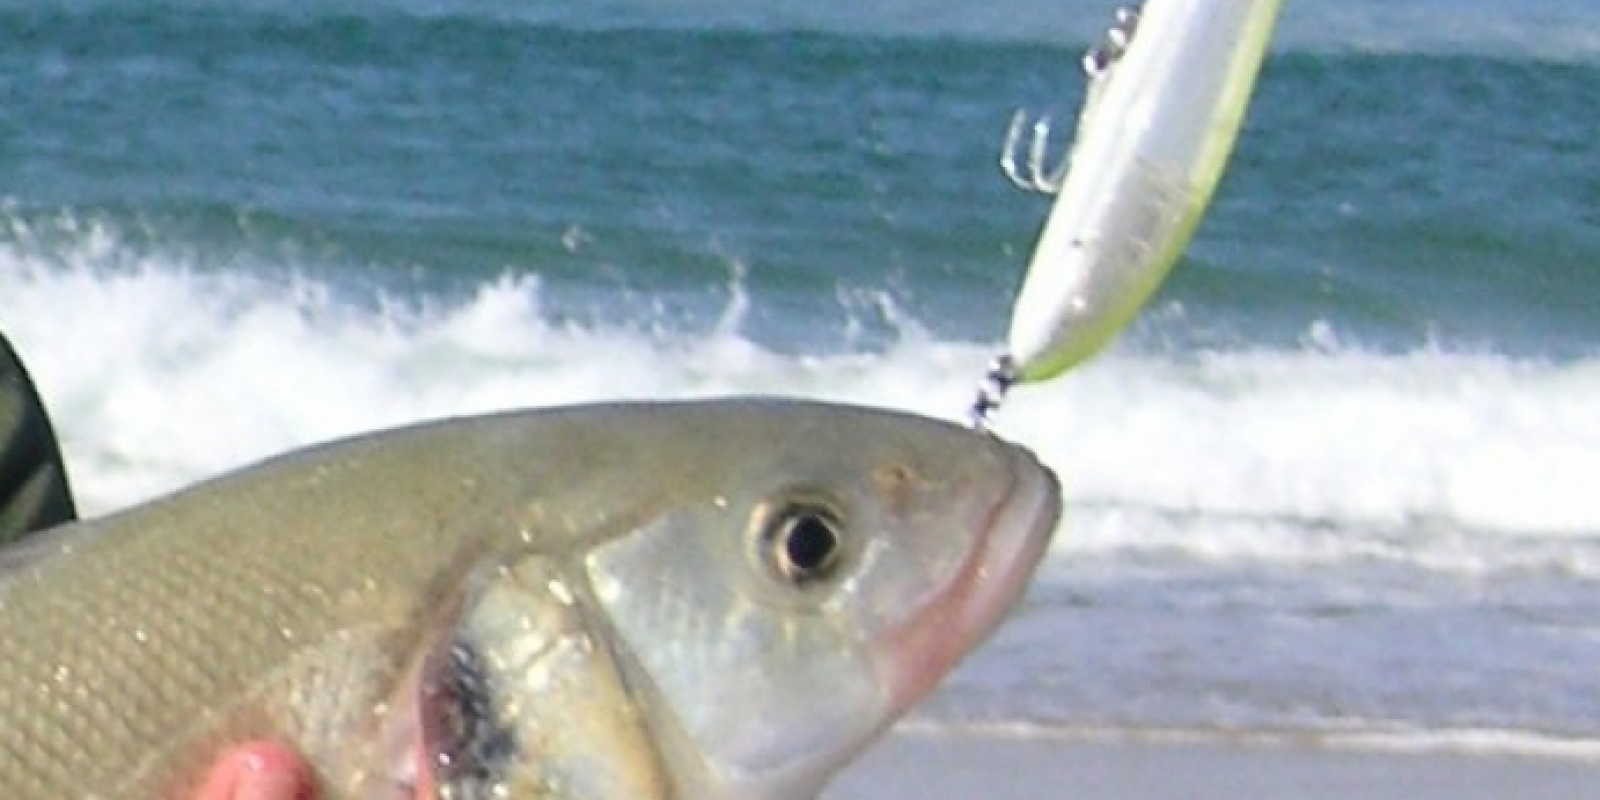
144, 601
185, 586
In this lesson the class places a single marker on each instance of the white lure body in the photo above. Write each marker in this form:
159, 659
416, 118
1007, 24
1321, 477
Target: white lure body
1154, 138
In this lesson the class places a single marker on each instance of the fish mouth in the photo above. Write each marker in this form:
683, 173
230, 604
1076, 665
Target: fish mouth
984, 588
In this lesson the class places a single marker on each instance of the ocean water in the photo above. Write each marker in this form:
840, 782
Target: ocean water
1341, 482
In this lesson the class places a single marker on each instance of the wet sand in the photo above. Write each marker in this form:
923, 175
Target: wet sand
942, 767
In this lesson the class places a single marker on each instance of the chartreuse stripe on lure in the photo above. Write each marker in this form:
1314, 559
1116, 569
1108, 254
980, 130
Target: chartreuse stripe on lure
1152, 144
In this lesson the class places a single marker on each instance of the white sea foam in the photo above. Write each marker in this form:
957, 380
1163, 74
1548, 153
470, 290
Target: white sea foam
159, 375
1377, 738
1345, 438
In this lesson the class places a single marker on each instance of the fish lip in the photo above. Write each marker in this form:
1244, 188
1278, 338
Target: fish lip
1040, 519
996, 574
1020, 528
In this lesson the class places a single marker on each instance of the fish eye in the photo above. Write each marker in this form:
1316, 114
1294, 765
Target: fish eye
803, 542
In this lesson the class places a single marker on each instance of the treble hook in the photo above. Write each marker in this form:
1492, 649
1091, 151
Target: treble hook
1097, 65
1038, 179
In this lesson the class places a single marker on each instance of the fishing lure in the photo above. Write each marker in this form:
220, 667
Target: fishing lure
1168, 89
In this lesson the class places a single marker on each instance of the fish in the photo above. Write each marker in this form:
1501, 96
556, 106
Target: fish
702, 600
1160, 119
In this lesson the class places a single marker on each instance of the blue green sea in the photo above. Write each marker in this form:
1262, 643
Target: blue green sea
1341, 481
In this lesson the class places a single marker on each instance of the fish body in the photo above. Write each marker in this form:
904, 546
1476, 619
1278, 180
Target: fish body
721, 599
1152, 142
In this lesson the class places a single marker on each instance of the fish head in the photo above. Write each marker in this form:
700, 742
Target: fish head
795, 599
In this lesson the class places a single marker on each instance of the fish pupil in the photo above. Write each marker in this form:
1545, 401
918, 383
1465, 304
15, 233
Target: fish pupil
810, 544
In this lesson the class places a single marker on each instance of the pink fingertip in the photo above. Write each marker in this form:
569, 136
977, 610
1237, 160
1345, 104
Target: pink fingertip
259, 771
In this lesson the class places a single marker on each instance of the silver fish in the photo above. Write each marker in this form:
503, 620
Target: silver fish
709, 600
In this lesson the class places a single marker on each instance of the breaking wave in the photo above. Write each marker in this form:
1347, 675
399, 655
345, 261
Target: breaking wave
159, 374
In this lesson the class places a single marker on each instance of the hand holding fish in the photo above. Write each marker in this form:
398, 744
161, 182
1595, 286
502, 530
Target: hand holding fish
259, 771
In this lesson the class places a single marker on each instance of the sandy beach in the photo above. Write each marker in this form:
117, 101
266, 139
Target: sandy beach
946, 767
